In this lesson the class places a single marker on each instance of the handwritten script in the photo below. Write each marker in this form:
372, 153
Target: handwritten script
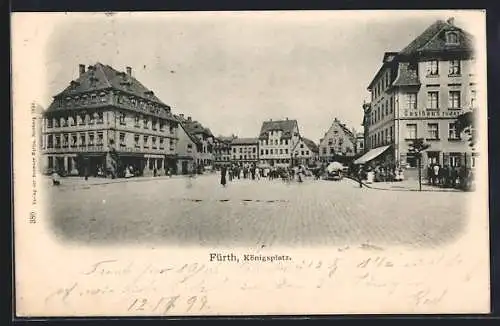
195, 288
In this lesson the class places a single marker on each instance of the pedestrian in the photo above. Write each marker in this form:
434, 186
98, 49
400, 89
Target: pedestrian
56, 181
435, 176
223, 176
430, 173
257, 173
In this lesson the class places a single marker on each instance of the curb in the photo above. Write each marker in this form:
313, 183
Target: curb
402, 189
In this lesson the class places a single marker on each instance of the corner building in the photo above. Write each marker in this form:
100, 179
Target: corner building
105, 121
418, 93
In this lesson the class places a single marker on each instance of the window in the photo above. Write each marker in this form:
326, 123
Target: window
324, 151
302, 153
57, 142
411, 101
391, 108
234, 149
136, 141
286, 141
390, 135
254, 150
281, 150
275, 142
100, 117
267, 152
386, 107
473, 98
162, 125
286, 150
271, 151
63, 122
153, 141
452, 131
81, 120
190, 148
65, 141
146, 141
454, 67
100, 138
432, 68
454, 100
137, 119
433, 130
332, 151
50, 141
91, 139
145, 123
382, 111
83, 140
241, 150
433, 100
307, 153
91, 119
155, 122
49, 123
122, 118
122, 139
162, 141
455, 159
451, 38
411, 131
261, 152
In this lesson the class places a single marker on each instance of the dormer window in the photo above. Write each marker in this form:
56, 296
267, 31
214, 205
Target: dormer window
452, 38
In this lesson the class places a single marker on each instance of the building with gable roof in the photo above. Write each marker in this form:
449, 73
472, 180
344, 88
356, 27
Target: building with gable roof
204, 137
418, 93
305, 152
106, 121
276, 142
338, 143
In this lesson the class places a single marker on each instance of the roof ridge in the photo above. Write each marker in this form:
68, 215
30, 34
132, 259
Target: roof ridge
105, 76
445, 25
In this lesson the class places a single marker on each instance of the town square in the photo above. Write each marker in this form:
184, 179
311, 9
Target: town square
121, 164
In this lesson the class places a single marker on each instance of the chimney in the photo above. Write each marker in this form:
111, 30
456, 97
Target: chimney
189, 118
451, 21
129, 71
81, 69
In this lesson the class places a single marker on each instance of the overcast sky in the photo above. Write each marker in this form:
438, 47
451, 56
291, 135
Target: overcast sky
231, 71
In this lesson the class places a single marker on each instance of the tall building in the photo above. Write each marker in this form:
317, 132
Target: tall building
338, 143
418, 93
106, 120
305, 152
276, 142
222, 151
204, 156
245, 151
360, 143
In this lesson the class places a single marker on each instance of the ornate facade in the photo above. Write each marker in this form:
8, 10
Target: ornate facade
107, 121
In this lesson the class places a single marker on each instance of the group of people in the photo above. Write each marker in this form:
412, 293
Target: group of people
255, 173
449, 176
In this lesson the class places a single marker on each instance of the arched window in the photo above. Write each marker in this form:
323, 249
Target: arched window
452, 38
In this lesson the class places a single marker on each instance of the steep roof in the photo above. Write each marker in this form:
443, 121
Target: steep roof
286, 126
245, 141
193, 127
407, 76
310, 144
100, 77
190, 135
433, 40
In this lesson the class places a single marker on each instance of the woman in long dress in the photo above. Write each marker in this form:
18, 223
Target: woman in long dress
223, 176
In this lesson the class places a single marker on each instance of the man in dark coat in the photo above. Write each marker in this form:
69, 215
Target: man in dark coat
223, 171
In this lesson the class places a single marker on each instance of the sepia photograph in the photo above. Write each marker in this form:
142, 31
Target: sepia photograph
237, 163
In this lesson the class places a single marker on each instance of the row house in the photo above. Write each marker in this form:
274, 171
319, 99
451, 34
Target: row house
205, 138
277, 139
222, 151
245, 151
418, 93
338, 143
305, 152
106, 121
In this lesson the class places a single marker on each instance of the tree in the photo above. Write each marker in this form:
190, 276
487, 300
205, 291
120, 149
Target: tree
416, 147
466, 123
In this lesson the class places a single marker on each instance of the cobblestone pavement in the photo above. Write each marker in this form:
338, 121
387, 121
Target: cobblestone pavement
253, 213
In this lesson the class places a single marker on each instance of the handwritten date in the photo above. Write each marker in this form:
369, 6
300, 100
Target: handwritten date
165, 305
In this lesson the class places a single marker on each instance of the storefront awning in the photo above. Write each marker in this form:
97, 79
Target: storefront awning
371, 154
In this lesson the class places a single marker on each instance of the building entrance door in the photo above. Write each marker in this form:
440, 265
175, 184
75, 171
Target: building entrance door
184, 167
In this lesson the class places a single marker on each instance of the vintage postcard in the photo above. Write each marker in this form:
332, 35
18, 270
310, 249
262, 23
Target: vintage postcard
237, 163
